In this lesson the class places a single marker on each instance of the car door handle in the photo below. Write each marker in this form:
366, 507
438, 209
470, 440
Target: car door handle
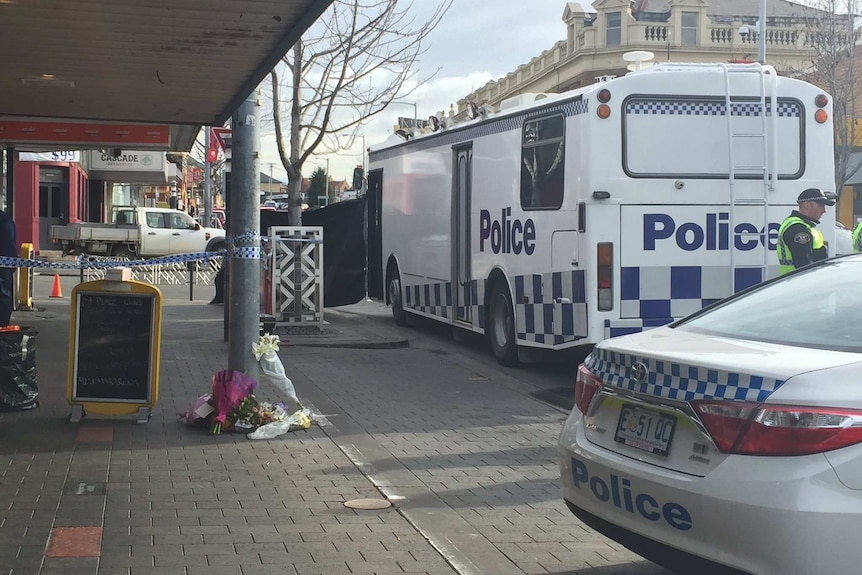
175, 234
151, 233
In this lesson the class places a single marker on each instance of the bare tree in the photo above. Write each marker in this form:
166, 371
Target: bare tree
832, 34
347, 68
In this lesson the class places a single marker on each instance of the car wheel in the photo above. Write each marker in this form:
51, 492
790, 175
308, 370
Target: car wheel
395, 300
501, 325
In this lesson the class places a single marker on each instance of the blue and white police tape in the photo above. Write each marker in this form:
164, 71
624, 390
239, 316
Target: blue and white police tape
84, 263
245, 252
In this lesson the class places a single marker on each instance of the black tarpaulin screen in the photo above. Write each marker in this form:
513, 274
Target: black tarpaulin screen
343, 226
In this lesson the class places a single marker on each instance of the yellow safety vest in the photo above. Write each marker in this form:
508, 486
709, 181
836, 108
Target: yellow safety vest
857, 238
785, 258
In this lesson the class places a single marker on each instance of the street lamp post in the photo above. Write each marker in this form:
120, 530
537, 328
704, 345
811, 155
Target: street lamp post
364, 151
761, 32
415, 113
364, 166
269, 187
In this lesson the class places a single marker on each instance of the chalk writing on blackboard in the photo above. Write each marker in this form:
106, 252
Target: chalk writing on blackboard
113, 352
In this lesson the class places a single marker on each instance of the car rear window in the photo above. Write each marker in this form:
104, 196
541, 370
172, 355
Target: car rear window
816, 308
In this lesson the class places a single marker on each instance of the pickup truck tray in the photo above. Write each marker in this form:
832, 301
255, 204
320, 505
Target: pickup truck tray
95, 232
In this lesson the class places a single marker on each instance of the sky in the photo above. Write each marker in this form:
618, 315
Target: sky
477, 41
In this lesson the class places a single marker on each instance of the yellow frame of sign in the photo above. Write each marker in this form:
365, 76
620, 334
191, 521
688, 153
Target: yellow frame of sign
82, 405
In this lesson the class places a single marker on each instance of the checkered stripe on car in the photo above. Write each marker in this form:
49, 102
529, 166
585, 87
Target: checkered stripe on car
677, 381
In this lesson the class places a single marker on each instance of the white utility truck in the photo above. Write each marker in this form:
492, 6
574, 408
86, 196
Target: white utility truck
139, 232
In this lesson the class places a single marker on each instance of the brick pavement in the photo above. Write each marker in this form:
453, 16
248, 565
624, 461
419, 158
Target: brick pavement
472, 455
168, 499
465, 454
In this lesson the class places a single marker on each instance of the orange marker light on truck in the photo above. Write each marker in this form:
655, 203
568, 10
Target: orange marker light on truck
605, 276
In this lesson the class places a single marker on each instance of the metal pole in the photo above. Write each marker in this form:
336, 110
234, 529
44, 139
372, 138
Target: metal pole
364, 183
327, 184
11, 156
208, 199
245, 235
761, 34
269, 187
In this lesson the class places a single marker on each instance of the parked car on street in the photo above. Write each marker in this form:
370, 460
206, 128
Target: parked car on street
733, 436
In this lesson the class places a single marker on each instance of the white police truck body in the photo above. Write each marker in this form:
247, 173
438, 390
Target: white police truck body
601, 211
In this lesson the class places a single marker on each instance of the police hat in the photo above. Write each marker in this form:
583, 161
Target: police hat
816, 195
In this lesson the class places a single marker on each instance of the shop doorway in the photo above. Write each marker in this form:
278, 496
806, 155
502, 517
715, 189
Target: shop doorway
53, 202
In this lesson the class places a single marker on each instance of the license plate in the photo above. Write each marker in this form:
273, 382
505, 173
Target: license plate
645, 429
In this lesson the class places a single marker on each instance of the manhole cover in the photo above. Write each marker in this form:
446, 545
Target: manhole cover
367, 504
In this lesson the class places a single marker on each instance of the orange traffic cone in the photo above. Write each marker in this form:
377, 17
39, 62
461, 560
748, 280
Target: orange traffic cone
56, 291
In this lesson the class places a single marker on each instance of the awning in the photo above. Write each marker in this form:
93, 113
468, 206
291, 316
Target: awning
181, 63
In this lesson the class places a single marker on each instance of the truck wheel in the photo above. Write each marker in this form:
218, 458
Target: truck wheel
123, 253
219, 247
395, 300
501, 325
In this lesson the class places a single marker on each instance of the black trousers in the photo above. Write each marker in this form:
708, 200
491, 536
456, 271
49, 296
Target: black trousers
6, 294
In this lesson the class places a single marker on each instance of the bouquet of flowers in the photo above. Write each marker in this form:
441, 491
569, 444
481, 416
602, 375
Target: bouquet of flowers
251, 414
271, 368
232, 404
229, 389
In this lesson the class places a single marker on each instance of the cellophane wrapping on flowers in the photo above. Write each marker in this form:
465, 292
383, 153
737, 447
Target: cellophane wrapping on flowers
271, 368
229, 389
300, 419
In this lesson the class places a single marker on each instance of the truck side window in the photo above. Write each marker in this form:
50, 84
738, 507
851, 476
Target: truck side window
126, 217
182, 222
542, 163
156, 220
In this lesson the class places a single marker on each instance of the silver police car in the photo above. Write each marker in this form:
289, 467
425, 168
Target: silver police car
731, 438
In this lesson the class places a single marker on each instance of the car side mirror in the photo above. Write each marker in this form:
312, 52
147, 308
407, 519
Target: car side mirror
197, 226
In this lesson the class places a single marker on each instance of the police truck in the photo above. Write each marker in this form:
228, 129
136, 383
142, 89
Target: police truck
559, 220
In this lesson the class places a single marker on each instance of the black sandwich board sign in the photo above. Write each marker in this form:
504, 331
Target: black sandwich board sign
114, 343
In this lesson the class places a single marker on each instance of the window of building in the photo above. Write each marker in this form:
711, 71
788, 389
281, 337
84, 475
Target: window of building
542, 163
689, 28
614, 29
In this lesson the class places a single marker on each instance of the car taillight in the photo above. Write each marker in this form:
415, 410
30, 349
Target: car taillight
762, 429
586, 387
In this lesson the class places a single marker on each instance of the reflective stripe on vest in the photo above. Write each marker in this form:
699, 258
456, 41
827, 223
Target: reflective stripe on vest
785, 258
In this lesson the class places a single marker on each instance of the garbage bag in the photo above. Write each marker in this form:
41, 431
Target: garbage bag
271, 368
18, 385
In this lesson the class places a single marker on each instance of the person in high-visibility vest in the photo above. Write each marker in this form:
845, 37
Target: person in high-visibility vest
799, 241
857, 237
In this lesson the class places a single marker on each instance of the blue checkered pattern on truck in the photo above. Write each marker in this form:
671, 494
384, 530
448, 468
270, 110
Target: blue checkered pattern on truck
677, 381
652, 296
654, 292
675, 107
550, 309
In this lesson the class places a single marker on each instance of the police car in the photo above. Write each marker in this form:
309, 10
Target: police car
732, 437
